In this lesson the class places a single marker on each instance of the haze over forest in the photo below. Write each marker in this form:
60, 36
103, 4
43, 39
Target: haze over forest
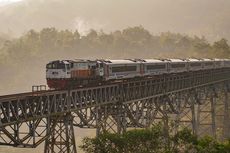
209, 18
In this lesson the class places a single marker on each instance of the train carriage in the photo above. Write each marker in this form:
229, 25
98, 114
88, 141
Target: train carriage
178, 65
226, 62
218, 63
155, 67
208, 63
122, 69
194, 64
62, 74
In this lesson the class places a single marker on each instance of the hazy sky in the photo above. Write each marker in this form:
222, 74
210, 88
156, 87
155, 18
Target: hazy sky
6, 2
194, 17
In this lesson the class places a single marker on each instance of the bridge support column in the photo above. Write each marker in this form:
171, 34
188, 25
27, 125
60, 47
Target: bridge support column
213, 115
121, 121
61, 135
110, 119
226, 124
165, 119
194, 117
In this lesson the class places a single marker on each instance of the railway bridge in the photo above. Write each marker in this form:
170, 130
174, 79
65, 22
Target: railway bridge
198, 100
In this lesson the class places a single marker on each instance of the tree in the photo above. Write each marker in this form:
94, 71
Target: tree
35, 48
221, 48
153, 140
133, 141
184, 141
48, 38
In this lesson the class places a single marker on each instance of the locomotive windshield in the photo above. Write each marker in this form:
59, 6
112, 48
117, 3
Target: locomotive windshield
56, 65
49, 66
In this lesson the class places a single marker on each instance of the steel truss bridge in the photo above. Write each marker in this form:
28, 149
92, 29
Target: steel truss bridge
198, 100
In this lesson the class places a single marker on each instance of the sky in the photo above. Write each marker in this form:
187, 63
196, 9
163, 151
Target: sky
209, 18
6, 2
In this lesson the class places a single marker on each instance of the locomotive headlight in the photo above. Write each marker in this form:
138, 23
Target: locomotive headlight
55, 73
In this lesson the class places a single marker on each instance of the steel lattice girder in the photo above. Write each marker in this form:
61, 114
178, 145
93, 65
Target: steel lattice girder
111, 107
61, 135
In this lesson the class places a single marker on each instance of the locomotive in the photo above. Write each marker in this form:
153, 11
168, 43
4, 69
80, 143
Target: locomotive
62, 74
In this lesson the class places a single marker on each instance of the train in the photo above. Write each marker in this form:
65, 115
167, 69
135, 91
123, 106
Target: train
63, 74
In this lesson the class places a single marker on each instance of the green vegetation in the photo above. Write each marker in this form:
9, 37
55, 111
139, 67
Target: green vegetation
153, 140
23, 59
130, 42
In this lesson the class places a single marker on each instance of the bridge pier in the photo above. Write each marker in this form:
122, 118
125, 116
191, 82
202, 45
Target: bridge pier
213, 115
226, 132
110, 119
61, 135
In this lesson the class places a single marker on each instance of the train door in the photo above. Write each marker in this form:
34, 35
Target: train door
67, 69
142, 71
100, 69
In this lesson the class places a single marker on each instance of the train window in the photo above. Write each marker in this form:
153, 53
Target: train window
195, 64
208, 64
83, 66
54, 66
117, 69
179, 65
218, 63
49, 66
67, 66
60, 66
152, 67
130, 68
123, 69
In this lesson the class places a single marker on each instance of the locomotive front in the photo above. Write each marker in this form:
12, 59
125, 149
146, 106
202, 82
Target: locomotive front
66, 74
58, 74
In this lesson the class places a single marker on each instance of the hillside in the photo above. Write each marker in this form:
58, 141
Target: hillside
207, 17
23, 59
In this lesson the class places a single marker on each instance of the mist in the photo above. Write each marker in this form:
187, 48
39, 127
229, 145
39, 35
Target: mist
194, 17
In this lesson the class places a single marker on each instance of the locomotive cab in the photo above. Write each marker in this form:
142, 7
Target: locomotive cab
57, 73
58, 69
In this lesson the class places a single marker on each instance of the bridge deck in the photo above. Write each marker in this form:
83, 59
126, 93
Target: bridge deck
28, 106
28, 119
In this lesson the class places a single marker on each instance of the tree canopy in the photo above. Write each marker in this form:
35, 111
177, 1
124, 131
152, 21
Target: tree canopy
132, 42
34, 49
153, 140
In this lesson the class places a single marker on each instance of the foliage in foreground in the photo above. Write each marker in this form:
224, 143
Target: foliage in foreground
153, 140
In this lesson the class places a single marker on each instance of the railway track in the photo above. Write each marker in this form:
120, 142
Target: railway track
24, 94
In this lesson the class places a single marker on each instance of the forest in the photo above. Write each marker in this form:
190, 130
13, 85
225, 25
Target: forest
23, 59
